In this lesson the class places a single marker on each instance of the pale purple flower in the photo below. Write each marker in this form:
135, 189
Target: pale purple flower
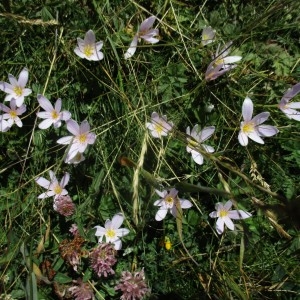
198, 137
208, 35
167, 203
52, 115
289, 107
133, 285
102, 259
53, 187
81, 138
13, 112
4, 126
221, 63
88, 48
145, 32
252, 128
64, 205
81, 290
224, 215
16, 88
159, 126
112, 232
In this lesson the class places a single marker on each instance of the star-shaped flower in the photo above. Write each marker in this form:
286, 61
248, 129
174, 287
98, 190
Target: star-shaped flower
12, 113
159, 126
224, 215
16, 88
88, 48
252, 128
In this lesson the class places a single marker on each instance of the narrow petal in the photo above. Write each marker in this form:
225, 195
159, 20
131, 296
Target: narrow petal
228, 223
161, 214
255, 137
18, 122
147, 24
13, 81
43, 182
23, 78
294, 105
292, 92
20, 101
90, 37
208, 149
91, 138
65, 140
65, 115
247, 109
206, 133
64, 181
57, 106
118, 244
122, 232
238, 214
228, 205
79, 53
267, 130
84, 127
243, 138
261, 118
231, 59
214, 214
73, 127
4, 108
184, 203
197, 157
45, 124
220, 226
132, 48
96, 56
292, 113
161, 194
117, 220
100, 231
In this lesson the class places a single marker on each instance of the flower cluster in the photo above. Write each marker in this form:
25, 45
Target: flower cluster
64, 205
81, 290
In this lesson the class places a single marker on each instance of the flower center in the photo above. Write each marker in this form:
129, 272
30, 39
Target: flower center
219, 61
88, 50
54, 115
82, 138
169, 200
248, 127
57, 189
111, 233
159, 128
223, 213
13, 114
18, 91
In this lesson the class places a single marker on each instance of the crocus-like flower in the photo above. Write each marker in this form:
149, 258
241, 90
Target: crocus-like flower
221, 63
159, 126
52, 115
13, 112
102, 259
64, 205
81, 290
112, 232
53, 187
133, 285
208, 36
79, 140
289, 107
16, 89
88, 48
146, 32
4, 126
224, 215
167, 203
198, 138
252, 128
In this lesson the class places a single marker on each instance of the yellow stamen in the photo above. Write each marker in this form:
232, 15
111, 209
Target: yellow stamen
223, 213
248, 127
111, 233
54, 115
18, 91
13, 114
88, 50
57, 190
169, 200
82, 138
159, 128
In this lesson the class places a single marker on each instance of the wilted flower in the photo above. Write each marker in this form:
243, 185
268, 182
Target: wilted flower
198, 138
74, 229
208, 36
64, 205
159, 126
287, 107
79, 140
52, 115
53, 187
4, 126
88, 48
112, 232
102, 259
167, 203
224, 215
221, 63
251, 127
12, 113
146, 32
81, 290
16, 89
133, 285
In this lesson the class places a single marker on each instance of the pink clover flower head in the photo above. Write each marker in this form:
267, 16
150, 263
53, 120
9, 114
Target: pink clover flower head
208, 36
88, 48
16, 88
167, 203
74, 229
81, 138
53, 187
133, 285
102, 259
146, 32
221, 63
52, 115
252, 128
198, 137
81, 290
13, 112
112, 231
224, 215
4, 126
64, 205
159, 126
289, 107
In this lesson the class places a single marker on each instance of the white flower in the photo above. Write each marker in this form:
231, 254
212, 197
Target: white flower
52, 115
16, 89
288, 108
112, 232
221, 63
12, 113
167, 203
88, 48
224, 215
159, 126
198, 138
53, 187
4, 126
79, 140
146, 32
208, 36
252, 128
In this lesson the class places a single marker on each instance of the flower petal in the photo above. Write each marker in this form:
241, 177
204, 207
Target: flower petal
161, 214
247, 109
267, 130
73, 127
197, 157
238, 214
220, 226
23, 78
261, 118
64, 181
243, 138
228, 222
122, 232
45, 103
184, 203
43, 182
117, 220
132, 48
206, 133
147, 24
255, 137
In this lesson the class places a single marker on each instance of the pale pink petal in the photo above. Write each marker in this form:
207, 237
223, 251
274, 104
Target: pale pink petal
122, 232
18, 122
26, 92
20, 101
73, 127
228, 205
231, 59
118, 244
255, 137
238, 214
21, 110
97, 55
197, 157
132, 48
185, 203
43, 182
161, 194
4, 108
220, 225
99, 46
79, 53
267, 130
108, 224
147, 24
64, 181
84, 127
65, 115
247, 109
228, 222
91, 138
45, 103
292, 92
294, 104
243, 138
208, 149
45, 124
65, 140
12, 79
292, 113
214, 214
23, 78
206, 133
260, 118
100, 231
161, 214
57, 106
89, 37
117, 220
